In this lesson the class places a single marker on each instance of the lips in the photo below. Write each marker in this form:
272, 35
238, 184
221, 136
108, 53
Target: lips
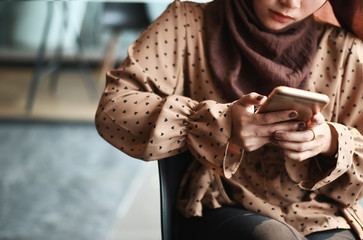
280, 17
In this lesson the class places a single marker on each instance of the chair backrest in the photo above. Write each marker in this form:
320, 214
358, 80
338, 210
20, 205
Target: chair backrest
120, 15
171, 171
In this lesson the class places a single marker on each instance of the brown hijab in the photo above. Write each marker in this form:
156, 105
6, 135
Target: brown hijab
245, 56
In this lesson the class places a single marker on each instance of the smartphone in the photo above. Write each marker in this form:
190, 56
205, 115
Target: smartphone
306, 103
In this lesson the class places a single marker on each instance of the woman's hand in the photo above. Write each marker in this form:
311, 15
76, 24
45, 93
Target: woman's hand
252, 131
318, 138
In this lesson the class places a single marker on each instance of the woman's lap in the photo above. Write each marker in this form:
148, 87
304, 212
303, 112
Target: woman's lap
336, 234
234, 223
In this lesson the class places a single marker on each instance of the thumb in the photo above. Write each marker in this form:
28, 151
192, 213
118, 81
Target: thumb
317, 119
251, 100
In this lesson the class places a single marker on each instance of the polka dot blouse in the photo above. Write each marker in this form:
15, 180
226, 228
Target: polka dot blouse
163, 100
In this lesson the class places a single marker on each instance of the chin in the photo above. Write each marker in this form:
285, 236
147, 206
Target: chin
276, 26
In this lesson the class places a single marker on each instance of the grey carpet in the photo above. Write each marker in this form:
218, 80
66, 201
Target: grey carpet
59, 181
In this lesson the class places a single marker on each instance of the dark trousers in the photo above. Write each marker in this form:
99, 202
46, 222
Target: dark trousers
229, 223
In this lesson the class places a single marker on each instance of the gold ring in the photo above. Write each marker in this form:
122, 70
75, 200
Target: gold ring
313, 133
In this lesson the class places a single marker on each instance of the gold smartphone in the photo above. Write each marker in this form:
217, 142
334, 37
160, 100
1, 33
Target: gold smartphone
306, 103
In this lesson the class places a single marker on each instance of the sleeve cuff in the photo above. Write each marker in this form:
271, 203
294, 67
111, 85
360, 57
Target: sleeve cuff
209, 138
343, 160
232, 159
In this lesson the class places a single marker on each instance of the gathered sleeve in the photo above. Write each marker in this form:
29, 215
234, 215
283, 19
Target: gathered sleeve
339, 177
345, 182
145, 110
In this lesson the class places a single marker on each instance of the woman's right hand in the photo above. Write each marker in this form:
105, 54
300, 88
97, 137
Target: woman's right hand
252, 131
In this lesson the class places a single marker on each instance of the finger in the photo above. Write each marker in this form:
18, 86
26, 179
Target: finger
270, 129
295, 146
295, 136
275, 117
299, 156
317, 119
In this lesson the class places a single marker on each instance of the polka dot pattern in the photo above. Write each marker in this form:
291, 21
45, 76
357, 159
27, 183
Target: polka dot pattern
163, 100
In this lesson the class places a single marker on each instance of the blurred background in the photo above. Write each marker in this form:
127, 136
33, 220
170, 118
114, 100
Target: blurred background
58, 178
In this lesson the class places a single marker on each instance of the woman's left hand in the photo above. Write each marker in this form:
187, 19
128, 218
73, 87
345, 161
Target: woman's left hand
318, 138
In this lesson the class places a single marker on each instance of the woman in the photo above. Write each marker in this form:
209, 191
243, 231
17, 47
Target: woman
192, 81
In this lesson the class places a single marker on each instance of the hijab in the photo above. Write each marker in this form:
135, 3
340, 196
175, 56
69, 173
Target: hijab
245, 56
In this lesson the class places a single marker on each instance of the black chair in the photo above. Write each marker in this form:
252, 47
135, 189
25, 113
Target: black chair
116, 17
171, 171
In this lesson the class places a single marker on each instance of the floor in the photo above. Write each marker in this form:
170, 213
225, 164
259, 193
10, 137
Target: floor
77, 188
71, 99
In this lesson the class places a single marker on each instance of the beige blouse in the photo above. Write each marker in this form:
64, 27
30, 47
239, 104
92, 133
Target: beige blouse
163, 100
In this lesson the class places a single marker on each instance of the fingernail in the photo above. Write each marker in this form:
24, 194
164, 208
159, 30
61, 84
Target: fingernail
292, 115
301, 126
277, 135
